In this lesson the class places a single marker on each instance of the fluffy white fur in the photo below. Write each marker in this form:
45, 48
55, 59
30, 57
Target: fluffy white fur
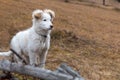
32, 44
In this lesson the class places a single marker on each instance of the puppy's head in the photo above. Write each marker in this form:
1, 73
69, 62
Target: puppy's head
42, 19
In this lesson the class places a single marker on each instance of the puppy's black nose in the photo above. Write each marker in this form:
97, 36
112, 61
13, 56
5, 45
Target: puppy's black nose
51, 26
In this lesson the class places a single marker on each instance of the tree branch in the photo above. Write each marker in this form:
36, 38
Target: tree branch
41, 73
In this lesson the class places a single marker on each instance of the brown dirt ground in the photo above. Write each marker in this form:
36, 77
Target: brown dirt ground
86, 37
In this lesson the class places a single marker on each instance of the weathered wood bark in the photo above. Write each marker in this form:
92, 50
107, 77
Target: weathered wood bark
64, 72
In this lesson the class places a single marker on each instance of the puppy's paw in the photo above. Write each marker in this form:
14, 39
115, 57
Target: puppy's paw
34, 65
42, 66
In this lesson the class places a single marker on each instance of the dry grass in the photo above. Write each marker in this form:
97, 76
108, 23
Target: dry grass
85, 37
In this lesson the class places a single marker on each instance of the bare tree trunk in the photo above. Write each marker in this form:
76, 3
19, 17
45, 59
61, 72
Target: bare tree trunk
104, 2
66, 0
64, 72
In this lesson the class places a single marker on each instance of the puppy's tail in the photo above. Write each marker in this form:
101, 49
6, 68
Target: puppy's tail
6, 53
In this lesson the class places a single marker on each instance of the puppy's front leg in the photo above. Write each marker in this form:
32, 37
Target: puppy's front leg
43, 58
32, 58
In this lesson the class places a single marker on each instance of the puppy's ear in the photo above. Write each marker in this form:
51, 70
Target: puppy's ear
37, 14
52, 13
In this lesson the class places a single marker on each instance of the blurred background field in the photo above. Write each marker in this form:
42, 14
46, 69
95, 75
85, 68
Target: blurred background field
86, 34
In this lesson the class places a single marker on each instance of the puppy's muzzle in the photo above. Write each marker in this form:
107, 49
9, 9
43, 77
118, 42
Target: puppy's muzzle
51, 27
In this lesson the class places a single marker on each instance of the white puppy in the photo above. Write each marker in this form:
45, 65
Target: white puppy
33, 44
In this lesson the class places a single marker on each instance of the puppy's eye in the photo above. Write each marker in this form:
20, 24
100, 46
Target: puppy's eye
44, 20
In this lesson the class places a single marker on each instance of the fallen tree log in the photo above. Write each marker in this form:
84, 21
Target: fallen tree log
64, 72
